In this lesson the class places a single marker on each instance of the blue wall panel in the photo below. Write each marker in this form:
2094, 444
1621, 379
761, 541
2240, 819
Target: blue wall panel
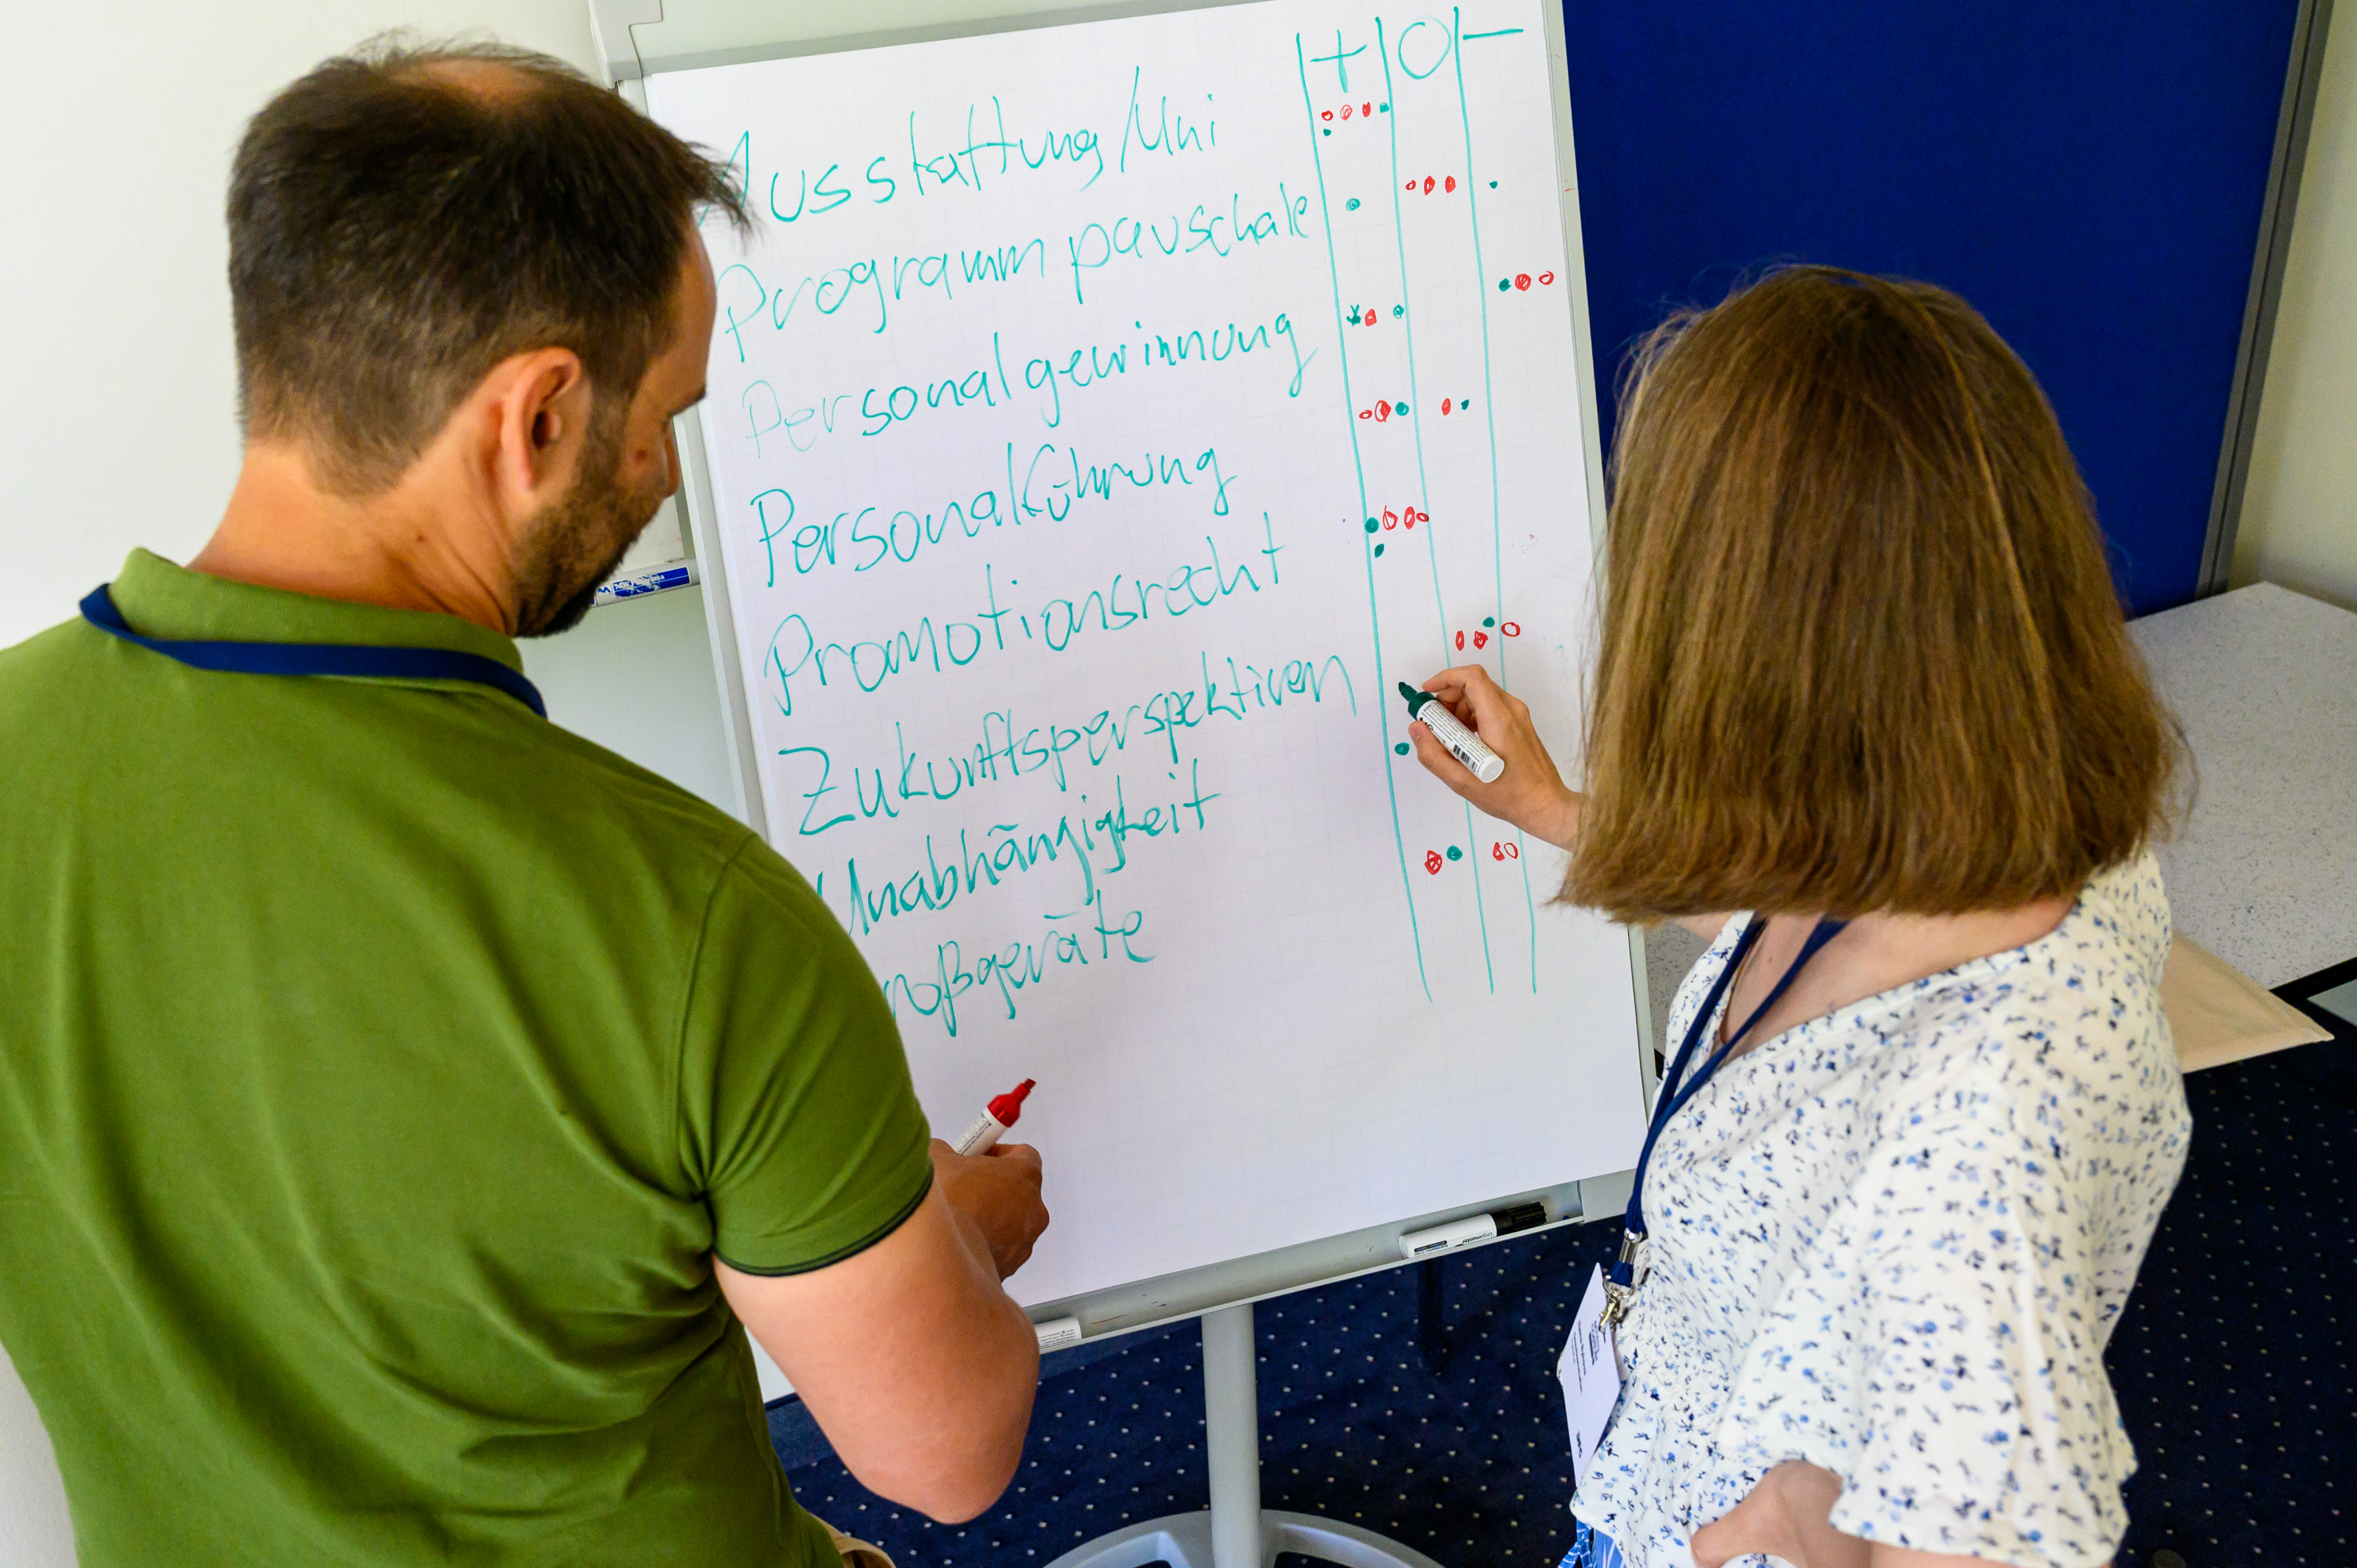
2089, 177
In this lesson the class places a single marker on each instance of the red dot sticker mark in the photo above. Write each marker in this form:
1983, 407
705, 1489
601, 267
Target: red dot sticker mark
1432, 860
1509, 629
1428, 183
1449, 184
1522, 280
1502, 850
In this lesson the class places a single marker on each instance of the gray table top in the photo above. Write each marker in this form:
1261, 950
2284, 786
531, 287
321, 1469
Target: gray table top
2263, 871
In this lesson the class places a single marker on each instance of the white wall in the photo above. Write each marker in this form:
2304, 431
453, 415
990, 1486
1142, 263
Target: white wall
2299, 514
34, 1531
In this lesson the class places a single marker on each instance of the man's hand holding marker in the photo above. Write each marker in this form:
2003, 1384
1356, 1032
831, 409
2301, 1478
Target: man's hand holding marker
1527, 791
994, 1187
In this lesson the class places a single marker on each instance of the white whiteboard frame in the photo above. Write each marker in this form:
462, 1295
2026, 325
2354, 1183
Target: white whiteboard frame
1191, 1293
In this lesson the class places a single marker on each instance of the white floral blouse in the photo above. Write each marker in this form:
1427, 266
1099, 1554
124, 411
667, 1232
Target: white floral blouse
1893, 1242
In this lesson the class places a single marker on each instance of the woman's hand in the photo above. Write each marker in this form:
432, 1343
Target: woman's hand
1789, 1516
1530, 794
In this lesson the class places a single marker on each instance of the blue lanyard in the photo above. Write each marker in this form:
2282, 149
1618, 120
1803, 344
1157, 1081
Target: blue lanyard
320, 658
1675, 1090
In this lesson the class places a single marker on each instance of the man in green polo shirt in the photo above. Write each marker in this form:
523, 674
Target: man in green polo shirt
403, 1102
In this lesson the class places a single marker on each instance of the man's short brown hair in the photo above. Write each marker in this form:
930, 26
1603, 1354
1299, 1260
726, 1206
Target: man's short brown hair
406, 217
1861, 649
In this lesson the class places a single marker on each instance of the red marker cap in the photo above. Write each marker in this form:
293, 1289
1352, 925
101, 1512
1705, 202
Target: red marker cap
1008, 1107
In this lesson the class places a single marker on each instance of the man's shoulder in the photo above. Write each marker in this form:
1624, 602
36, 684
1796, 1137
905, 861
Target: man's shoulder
616, 796
48, 656
608, 806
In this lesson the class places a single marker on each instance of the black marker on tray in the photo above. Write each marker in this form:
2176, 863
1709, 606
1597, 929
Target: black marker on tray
1463, 744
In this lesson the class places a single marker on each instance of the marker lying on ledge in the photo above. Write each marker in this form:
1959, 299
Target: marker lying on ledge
1463, 744
1056, 1333
1472, 1228
993, 1124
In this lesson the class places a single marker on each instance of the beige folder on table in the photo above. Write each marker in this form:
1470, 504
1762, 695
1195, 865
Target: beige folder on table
2220, 1014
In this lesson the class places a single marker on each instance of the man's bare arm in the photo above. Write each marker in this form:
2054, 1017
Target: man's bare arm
917, 1365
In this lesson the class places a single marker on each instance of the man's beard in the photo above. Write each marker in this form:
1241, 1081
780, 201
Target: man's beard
583, 538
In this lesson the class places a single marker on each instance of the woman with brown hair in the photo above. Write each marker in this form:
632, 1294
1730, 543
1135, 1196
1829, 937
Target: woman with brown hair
1863, 675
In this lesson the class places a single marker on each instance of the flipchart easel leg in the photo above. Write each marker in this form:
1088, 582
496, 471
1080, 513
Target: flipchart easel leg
1236, 1531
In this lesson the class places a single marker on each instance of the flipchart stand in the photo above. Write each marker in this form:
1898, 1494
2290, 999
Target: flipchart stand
637, 39
1236, 1531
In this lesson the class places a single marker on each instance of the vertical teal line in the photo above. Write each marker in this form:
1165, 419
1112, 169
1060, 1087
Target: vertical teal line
1489, 413
1374, 617
1423, 485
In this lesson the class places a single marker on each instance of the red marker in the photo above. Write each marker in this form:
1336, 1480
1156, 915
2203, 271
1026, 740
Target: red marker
992, 1124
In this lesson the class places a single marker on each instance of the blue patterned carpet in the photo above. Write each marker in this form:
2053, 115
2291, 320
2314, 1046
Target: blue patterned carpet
1438, 1422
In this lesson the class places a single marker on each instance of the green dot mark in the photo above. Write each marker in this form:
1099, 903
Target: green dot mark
1352, 205
1455, 854
1486, 620
1379, 550
1371, 525
1401, 749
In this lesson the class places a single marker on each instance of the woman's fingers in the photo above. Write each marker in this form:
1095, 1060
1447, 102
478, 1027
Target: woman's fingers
1787, 1515
1530, 793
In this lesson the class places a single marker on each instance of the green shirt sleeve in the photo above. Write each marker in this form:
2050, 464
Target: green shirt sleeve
797, 1119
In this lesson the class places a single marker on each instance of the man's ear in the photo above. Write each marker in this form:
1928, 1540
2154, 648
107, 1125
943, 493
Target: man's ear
541, 402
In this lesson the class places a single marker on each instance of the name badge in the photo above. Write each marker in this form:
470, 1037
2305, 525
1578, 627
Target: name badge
1590, 1374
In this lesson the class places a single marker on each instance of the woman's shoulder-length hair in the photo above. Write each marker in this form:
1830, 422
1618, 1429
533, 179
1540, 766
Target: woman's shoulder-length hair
1860, 645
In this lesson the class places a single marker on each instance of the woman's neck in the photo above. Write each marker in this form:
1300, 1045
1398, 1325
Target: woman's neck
1874, 953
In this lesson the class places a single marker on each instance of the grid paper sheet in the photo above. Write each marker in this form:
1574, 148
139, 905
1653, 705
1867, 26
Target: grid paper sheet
1103, 422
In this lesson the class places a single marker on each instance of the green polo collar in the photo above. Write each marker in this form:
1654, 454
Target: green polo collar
165, 601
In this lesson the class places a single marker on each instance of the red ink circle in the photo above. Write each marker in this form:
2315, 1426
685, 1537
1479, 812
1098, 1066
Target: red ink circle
1432, 861
1427, 185
1326, 113
1366, 413
1444, 405
1346, 110
1449, 184
1513, 851
1481, 640
1509, 629
1522, 280
1496, 852
1370, 317
1460, 642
